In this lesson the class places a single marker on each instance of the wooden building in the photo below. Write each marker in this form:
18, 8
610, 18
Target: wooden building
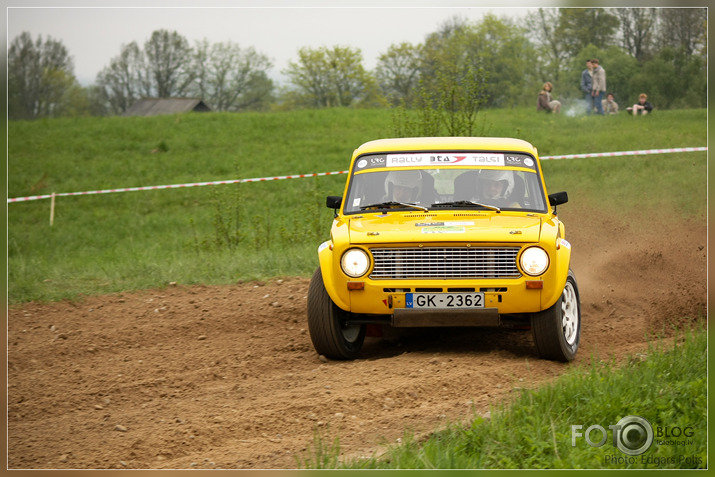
157, 106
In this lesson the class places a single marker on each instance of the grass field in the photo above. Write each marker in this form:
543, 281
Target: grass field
221, 234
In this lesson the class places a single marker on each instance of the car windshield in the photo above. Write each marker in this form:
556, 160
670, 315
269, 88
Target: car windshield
442, 181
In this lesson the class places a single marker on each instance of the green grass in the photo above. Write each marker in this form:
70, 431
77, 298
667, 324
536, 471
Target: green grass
667, 386
221, 234
649, 185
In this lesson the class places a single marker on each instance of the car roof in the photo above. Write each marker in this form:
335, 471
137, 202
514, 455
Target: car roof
414, 144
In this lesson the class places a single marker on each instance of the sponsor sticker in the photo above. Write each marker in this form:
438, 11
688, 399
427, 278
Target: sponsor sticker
435, 159
443, 229
444, 224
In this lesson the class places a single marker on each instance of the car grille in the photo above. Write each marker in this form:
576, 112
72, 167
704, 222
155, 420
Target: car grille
445, 262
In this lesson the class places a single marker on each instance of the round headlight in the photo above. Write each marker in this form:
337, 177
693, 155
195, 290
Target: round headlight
534, 261
355, 262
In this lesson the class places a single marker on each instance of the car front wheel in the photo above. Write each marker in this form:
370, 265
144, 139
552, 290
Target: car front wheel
331, 334
557, 330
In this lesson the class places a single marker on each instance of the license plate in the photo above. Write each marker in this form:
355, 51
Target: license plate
444, 300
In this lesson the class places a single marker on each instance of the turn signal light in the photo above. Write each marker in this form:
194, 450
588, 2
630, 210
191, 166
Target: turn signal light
356, 285
534, 284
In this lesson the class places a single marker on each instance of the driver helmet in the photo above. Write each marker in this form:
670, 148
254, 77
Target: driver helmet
408, 179
506, 178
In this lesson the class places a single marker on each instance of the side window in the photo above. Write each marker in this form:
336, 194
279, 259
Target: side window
533, 195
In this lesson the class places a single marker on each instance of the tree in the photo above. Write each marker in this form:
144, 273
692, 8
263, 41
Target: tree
125, 80
453, 81
310, 76
451, 27
580, 27
543, 26
229, 78
398, 73
676, 76
346, 74
497, 47
684, 29
97, 101
224, 75
40, 77
508, 58
168, 60
327, 77
637, 30
442, 47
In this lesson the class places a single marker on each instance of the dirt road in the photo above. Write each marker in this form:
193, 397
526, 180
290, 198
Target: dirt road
226, 377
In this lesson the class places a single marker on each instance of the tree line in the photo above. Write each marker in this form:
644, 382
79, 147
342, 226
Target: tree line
497, 62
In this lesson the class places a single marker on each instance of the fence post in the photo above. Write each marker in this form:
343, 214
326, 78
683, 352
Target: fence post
52, 209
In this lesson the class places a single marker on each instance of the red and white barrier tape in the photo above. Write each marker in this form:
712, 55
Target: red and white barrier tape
173, 186
627, 153
318, 174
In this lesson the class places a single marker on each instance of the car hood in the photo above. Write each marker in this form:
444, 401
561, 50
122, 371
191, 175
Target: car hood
421, 228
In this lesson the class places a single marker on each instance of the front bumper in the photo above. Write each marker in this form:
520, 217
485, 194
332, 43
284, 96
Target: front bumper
407, 318
388, 297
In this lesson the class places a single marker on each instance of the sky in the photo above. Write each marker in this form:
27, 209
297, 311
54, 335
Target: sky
93, 36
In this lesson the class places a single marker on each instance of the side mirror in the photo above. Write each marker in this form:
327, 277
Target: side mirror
558, 198
333, 201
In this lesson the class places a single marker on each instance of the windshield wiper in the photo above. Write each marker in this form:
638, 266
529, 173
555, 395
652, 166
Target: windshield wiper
392, 203
463, 203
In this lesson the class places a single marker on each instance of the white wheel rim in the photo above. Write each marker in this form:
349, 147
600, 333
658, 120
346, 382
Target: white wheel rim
569, 314
351, 332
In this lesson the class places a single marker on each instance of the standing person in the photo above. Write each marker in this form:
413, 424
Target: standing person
642, 107
598, 88
586, 82
609, 105
545, 102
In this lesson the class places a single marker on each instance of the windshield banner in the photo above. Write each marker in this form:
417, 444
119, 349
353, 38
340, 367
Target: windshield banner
445, 160
480, 159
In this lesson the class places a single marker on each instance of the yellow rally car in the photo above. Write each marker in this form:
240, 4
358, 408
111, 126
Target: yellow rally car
446, 232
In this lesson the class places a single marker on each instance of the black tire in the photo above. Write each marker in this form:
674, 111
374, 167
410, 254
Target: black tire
557, 330
330, 334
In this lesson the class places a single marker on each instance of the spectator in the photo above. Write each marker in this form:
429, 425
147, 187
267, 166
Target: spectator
642, 107
546, 102
586, 82
609, 105
598, 87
